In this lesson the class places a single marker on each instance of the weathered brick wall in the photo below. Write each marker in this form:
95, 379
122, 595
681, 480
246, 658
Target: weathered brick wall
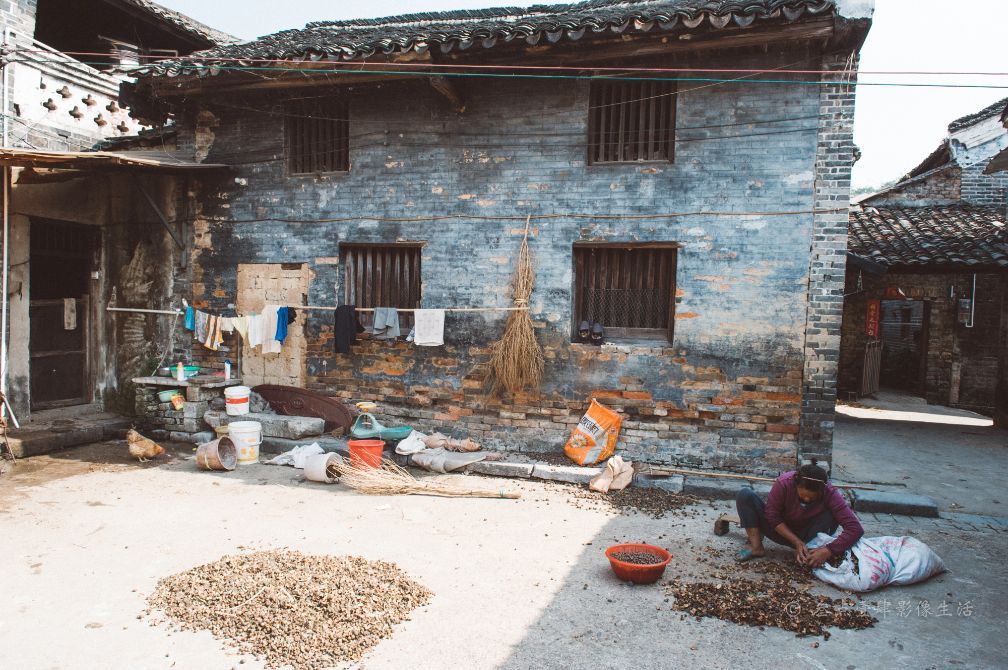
984, 189
963, 364
726, 392
941, 187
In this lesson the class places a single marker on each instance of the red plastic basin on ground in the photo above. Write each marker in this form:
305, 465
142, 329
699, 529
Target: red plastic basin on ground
638, 574
366, 453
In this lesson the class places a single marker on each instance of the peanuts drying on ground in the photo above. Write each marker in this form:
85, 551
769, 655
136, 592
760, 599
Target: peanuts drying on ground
289, 608
637, 557
768, 602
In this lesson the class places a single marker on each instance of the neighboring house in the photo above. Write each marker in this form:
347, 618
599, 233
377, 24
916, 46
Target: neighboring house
680, 215
926, 286
81, 227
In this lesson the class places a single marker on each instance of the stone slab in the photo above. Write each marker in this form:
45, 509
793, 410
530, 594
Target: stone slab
273, 425
502, 469
192, 438
720, 489
564, 473
673, 484
893, 502
278, 445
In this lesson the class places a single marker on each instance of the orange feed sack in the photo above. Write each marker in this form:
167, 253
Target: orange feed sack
594, 438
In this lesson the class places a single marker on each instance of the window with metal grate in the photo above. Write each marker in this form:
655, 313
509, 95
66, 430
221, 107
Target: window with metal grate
317, 135
628, 288
381, 275
631, 121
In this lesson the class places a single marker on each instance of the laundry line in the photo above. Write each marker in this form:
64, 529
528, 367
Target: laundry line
175, 312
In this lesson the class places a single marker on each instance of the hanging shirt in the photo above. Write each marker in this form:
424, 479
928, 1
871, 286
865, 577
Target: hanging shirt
200, 323
227, 324
190, 318
386, 323
345, 328
254, 330
240, 324
281, 329
269, 329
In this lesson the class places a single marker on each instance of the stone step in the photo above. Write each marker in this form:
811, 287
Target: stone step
273, 425
34, 440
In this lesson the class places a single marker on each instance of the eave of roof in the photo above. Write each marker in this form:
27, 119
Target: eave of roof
484, 29
102, 160
987, 112
180, 21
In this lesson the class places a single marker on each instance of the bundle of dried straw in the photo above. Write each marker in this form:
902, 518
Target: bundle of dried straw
516, 361
390, 479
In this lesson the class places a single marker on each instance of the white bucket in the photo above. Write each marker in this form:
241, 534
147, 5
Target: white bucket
316, 467
247, 436
236, 398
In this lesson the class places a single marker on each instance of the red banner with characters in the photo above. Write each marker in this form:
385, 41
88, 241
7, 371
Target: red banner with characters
872, 318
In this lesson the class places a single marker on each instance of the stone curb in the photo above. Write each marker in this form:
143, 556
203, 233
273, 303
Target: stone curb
564, 473
721, 489
893, 502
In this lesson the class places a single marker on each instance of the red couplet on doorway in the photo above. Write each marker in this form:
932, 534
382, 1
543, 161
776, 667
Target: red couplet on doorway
872, 318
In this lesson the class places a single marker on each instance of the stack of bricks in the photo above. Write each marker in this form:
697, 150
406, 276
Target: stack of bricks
161, 421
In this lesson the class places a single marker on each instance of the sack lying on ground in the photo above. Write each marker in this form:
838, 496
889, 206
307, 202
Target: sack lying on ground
594, 438
874, 562
617, 475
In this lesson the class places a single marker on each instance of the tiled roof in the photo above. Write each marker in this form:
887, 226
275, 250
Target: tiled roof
954, 235
485, 28
993, 109
193, 27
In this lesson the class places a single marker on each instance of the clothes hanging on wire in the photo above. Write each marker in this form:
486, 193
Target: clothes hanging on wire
346, 328
214, 337
281, 327
200, 322
269, 329
190, 318
386, 323
240, 324
255, 331
428, 327
227, 324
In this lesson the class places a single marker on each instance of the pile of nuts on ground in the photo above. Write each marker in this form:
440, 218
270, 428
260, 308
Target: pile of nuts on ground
768, 602
637, 557
289, 608
653, 502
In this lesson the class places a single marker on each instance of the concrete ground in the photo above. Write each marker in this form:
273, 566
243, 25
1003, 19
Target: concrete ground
954, 456
85, 534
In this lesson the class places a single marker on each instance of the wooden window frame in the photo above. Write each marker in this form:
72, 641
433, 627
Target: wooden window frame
631, 122
314, 146
590, 271
390, 261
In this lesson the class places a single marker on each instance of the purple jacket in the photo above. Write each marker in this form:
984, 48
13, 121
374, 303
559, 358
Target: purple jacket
783, 505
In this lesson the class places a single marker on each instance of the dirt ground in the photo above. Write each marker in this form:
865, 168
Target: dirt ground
85, 534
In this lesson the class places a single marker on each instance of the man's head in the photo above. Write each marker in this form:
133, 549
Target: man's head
811, 483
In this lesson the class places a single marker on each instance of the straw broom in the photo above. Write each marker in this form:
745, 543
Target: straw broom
390, 479
516, 361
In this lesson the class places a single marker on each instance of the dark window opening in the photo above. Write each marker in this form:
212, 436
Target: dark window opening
317, 135
377, 275
631, 121
629, 289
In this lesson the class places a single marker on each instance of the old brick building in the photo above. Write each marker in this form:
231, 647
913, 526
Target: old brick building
678, 207
926, 288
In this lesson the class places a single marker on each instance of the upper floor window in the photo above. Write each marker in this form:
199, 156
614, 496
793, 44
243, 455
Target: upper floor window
628, 288
631, 121
381, 275
317, 135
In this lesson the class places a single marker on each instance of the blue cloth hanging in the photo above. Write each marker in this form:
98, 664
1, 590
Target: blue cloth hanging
190, 318
281, 331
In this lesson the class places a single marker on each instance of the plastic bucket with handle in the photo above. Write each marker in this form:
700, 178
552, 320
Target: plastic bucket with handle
236, 398
247, 436
365, 453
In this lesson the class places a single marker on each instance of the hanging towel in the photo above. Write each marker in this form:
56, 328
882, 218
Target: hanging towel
386, 323
346, 328
214, 338
69, 313
291, 315
428, 328
190, 318
200, 326
255, 331
269, 329
281, 327
227, 324
240, 324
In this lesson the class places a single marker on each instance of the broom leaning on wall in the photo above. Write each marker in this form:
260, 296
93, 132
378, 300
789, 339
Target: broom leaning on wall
516, 361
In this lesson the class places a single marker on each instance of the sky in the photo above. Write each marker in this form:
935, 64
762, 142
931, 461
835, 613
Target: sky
895, 127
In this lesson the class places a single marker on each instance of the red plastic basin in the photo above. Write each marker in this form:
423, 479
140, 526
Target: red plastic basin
366, 453
638, 574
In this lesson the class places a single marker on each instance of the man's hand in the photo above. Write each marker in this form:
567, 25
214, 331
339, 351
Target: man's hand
801, 553
818, 557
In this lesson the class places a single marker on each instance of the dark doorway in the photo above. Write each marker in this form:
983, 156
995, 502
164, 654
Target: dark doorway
904, 332
62, 256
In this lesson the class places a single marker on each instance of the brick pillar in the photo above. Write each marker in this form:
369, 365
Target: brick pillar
827, 260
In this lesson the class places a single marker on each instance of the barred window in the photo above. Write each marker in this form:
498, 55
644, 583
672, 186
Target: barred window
631, 121
317, 134
381, 275
628, 288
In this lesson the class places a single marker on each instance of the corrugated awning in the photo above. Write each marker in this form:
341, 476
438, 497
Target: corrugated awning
157, 161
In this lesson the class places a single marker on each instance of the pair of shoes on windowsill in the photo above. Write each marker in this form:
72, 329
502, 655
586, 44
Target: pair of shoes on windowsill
591, 334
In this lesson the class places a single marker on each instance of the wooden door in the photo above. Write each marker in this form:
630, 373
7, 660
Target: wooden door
263, 284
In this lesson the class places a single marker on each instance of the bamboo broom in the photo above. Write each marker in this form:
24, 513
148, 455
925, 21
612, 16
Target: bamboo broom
516, 361
390, 479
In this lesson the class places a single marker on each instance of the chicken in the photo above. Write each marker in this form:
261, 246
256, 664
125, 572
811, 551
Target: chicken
141, 448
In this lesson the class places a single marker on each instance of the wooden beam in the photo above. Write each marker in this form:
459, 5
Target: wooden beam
446, 87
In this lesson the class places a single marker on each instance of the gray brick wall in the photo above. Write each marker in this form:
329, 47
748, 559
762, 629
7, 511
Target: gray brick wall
727, 391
